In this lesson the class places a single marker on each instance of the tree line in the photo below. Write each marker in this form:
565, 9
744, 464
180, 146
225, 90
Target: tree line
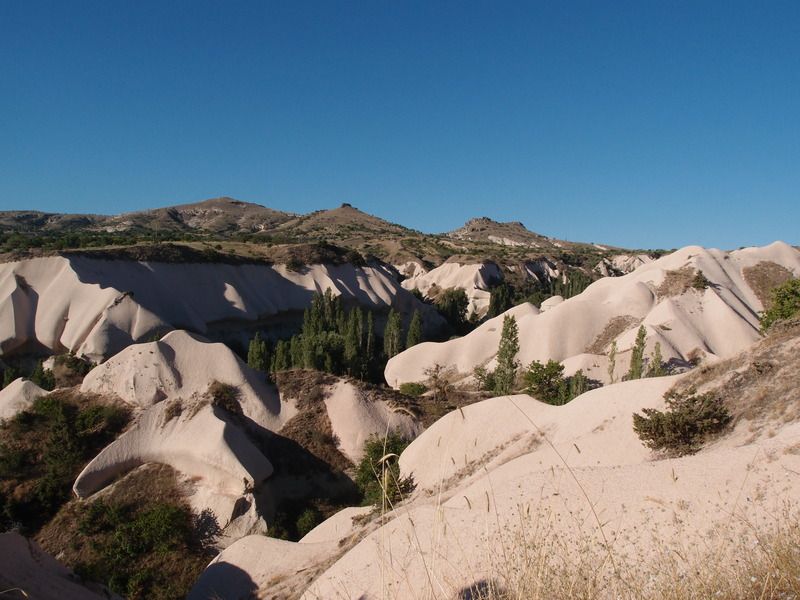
337, 340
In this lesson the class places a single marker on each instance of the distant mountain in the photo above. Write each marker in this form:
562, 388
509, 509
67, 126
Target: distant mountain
229, 228
511, 234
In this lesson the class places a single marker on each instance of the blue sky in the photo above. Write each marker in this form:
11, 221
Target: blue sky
641, 124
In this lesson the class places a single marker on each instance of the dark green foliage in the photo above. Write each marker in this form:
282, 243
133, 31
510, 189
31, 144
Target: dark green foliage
42, 452
332, 340
414, 336
689, 419
9, 374
307, 520
656, 365
393, 335
258, 357
295, 263
501, 299
636, 369
545, 382
785, 303
413, 389
452, 304
505, 375
485, 378
378, 473
700, 281
126, 542
42, 377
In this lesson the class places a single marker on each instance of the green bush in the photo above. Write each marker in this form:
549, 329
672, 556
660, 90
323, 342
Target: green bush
785, 303
307, 520
545, 381
378, 473
42, 452
413, 389
124, 542
700, 281
689, 419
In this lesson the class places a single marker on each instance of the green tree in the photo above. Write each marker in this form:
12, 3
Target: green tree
545, 382
656, 366
578, 384
500, 300
9, 375
505, 375
414, 336
352, 344
370, 346
393, 334
378, 473
785, 303
452, 304
258, 354
281, 360
636, 369
42, 377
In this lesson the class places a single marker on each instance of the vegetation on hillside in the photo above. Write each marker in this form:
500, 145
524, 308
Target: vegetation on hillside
43, 449
688, 420
378, 473
784, 303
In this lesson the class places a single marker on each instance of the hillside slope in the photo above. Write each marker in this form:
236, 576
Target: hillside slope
550, 502
694, 302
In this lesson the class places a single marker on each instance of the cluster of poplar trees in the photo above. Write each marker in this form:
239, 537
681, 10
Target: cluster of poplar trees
338, 341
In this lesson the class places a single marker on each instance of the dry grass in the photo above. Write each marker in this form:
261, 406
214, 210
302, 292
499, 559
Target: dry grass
612, 330
742, 562
764, 277
762, 384
676, 282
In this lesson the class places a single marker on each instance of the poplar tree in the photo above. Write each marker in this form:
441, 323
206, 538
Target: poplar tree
414, 330
505, 375
393, 335
636, 369
656, 368
258, 354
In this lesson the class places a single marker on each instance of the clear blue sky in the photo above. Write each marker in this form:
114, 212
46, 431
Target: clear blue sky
642, 124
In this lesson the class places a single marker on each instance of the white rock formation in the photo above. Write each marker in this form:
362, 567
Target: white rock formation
475, 279
18, 396
716, 322
496, 478
355, 419
25, 566
96, 308
622, 264
182, 366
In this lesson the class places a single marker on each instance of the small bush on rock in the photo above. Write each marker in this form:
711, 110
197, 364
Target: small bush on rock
413, 389
378, 473
689, 419
785, 303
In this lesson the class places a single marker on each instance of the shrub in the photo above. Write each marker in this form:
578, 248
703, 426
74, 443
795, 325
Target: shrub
544, 382
225, 396
307, 520
785, 303
700, 281
413, 389
689, 419
124, 540
378, 473
43, 451
484, 377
